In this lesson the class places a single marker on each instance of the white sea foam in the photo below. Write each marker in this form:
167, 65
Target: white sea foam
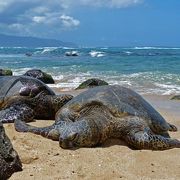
146, 86
97, 54
48, 49
67, 48
149, 47
128, 52
20, 71
72, 53
60, 77
18, 47
105, 48
11, 55
14, 62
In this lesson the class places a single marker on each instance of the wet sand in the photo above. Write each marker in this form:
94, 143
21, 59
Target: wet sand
43, 159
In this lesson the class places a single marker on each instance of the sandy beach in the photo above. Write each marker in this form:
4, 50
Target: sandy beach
43, 159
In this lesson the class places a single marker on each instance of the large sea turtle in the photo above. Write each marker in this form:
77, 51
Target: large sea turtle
28, 98
9, 159
107, 112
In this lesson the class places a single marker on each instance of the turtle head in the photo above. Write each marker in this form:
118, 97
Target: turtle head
79, 134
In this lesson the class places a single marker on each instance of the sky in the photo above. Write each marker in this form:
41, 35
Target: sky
95, 22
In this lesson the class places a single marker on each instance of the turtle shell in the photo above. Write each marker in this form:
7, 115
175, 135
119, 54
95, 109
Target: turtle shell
21, 86
121, 101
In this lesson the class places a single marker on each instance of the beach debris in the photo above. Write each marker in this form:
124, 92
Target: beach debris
90, 83
72, 53
38, 74
106, 112
28, 98
5, 72
9, 159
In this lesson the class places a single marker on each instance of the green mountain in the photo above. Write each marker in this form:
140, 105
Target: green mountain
20, 41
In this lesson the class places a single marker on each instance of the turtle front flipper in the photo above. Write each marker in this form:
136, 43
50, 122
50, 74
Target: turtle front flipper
145, 139
50, 132
21, 111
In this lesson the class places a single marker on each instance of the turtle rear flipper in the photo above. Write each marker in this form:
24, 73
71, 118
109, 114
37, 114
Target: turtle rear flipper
49, 132
22, 111
147, 140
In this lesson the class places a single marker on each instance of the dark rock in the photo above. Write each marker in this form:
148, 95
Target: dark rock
28, 54
92, 83
177, 97
9, 159
71, 53
5, 72
38, 74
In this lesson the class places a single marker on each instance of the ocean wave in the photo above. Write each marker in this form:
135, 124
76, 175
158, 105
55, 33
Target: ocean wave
168, 89
128, 52
20, 71
59, 77
149, 47
105, 48
18, 47
14, 62
67, 48
48, 49
97, 54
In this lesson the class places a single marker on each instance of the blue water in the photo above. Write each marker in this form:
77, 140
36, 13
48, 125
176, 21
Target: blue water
146, 70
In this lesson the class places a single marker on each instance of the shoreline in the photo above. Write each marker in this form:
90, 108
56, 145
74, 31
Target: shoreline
44, 159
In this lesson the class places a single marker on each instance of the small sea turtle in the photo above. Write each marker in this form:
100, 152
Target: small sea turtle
38, 74
107, 112
28, 98
9, 159
90, 83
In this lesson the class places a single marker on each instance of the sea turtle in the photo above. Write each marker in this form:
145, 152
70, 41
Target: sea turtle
9, 159
38, 74
107, 112
90, 83
29, 98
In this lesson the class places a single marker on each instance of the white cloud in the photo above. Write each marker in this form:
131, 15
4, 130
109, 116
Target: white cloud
35, 17
4, 4
39, 19
41, 5
69, 21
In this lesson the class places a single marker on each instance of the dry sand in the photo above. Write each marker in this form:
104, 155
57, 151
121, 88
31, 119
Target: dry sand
43, 159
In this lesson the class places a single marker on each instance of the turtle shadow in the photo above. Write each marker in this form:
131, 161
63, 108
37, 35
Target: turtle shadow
108, 143
113, 142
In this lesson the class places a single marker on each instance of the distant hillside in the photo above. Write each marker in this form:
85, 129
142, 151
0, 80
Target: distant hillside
19, 41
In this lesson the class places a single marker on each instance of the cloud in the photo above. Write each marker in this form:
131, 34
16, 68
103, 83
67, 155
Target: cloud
110, 3
35, 17
39, 19
69, 21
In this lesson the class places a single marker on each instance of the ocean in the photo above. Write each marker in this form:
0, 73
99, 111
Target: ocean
148, 70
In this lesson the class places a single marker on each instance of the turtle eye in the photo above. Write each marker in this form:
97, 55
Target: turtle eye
73, 136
